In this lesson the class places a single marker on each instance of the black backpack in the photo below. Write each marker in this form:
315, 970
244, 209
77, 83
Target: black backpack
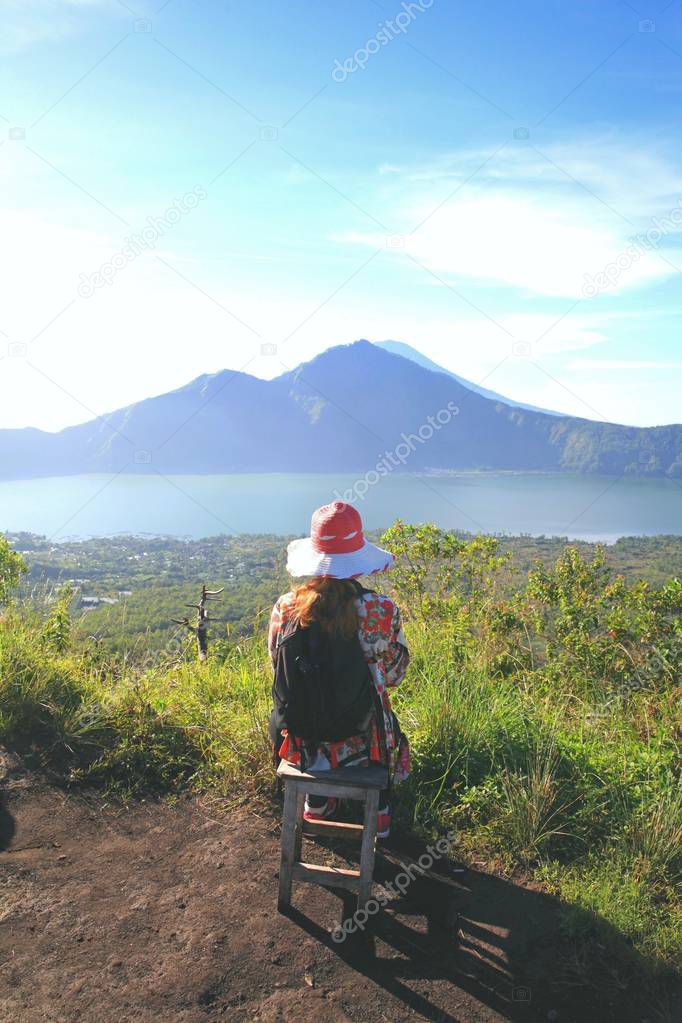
323, 690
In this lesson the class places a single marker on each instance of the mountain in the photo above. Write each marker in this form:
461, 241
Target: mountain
343, 411
408, 352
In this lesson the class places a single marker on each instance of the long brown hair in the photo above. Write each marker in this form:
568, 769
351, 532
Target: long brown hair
331, 602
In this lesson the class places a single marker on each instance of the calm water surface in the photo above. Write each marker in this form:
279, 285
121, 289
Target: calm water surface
580, 507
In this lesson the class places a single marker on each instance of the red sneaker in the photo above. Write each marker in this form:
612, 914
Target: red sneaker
384, 823
320, 813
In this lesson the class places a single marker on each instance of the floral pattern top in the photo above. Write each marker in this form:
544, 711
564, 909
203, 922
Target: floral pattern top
383, 643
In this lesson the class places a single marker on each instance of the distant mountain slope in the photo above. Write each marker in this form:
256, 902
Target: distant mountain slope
408, 352
342, 411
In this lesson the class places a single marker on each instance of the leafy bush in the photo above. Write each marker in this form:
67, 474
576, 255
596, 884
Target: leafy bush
12, 567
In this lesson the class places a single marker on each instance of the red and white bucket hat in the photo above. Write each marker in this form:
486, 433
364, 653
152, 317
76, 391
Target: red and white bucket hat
336, 546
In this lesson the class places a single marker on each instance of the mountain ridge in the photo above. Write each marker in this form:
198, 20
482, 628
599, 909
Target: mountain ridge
335, 413
408, 352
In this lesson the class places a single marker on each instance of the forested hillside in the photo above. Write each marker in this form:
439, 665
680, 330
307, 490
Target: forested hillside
127, 589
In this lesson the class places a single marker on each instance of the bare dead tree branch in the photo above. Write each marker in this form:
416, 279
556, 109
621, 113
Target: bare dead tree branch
200, 626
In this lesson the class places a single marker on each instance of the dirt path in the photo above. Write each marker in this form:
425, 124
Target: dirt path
163, 913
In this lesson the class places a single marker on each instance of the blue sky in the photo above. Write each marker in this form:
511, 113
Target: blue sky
499, 186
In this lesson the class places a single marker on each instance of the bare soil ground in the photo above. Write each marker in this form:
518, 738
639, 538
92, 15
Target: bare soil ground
161, 912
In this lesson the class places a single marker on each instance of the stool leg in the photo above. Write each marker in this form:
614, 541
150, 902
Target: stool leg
369, 834
300, 802
289, 841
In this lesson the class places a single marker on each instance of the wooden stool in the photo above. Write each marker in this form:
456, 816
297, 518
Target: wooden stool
363, 784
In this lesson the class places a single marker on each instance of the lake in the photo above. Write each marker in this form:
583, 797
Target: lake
580, 507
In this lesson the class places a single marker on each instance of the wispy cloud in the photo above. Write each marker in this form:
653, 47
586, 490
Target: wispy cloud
533, 220
26, 22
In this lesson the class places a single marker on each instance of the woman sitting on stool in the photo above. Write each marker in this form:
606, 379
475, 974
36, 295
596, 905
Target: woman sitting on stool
337, 648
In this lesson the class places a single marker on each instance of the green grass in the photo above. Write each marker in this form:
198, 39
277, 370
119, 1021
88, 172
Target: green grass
546, 774
174, 724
